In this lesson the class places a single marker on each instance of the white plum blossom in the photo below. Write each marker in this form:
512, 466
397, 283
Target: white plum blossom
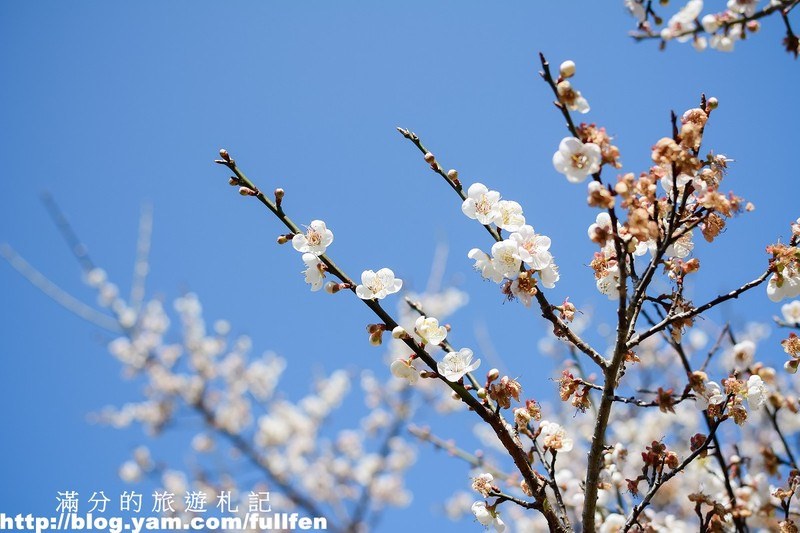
511, 217
485, 265
487, 517
314, 273
549, 276
506, 258
483, 484
577, 160
521, 289
378, 285
555, 437
680, 180
403, 369
756, 392
712, 395
791, 312
482, 204
788, 287
608, 284
455, 365
572, 98
315, 240
682, 246
532, 248
429, 329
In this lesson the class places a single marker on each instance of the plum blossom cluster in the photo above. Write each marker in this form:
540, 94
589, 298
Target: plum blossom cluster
518, 260
679, 177
746, 483
717, 30
785, 281
314, 243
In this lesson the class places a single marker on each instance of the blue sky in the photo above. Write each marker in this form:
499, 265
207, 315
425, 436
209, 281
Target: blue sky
109, 105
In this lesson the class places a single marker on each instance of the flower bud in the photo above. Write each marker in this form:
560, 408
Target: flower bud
567, 69
791, 365
282, 239
712, 103
375, 328
233, 181
492, 375
376, 338
399, 333
223, 153
753, 26
332, 287
429, 158
279, 193
482, 393
452, 174
246, 191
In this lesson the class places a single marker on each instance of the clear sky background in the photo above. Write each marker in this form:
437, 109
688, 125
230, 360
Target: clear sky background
109, 105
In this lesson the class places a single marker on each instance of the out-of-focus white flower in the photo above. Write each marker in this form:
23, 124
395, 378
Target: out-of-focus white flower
789, 287
577, 160
743, 7
403, 369
710, 23
533, 249
756, 392
485, 265
315, 240
721, 42
741, 355
555, 437
429, 329
456, 364
683, 23
130, 472
378, 285
700, 43
614, 523
506, 258
791, 312
636, 10
511, 217
487, 517
482, 204
315, 276
96, 277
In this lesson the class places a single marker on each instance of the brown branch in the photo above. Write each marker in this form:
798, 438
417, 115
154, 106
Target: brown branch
670, 319
494, 420
638, 509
